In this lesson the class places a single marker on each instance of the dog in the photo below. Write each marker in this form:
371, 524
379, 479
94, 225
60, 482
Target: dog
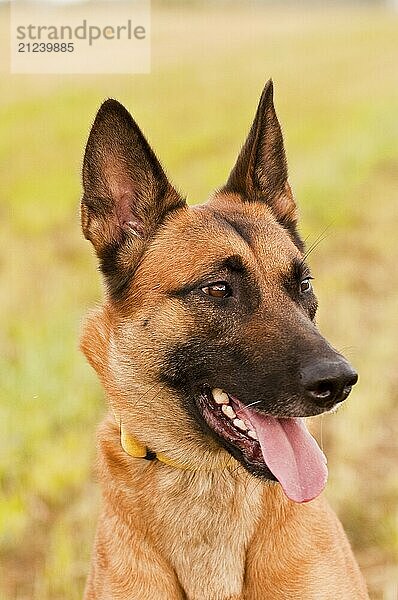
207, 348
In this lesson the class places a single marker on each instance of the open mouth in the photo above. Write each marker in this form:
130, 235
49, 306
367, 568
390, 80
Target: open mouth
278, 449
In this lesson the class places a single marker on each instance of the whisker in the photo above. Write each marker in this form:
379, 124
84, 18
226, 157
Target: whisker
252, 403
155, 396
147, 392
316, 243
258, 483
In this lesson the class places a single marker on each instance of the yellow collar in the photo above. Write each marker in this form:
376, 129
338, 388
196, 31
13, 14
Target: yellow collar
136, 449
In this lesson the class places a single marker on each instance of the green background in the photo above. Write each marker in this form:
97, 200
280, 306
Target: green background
336, 88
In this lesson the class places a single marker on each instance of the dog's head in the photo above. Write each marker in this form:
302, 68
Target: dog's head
206, 343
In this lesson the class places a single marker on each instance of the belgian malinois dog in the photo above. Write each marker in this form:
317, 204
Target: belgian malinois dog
208, 351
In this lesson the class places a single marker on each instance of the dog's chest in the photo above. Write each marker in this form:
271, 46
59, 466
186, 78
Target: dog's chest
207, 521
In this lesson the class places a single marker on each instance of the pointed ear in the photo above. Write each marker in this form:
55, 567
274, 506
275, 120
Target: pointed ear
126, 193
260, 173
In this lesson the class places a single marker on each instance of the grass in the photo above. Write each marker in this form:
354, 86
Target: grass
337, 97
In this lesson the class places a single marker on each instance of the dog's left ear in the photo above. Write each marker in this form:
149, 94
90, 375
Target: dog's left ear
260, 173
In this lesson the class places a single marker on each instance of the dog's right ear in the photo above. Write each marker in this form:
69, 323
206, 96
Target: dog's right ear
126, 193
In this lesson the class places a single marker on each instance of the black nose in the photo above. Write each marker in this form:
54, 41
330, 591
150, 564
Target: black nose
328, 382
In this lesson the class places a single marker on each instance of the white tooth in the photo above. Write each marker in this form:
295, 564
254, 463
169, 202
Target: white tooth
240, 424
228, 411
220, 397
252, 434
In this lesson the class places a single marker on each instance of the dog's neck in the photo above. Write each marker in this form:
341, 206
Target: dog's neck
223, 504
121, 453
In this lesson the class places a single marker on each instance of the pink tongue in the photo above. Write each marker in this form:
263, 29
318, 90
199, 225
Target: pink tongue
291, 454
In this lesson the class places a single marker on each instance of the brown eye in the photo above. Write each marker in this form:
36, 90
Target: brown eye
217, 290
305, 285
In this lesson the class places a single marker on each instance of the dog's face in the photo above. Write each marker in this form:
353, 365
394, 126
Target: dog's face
207, 344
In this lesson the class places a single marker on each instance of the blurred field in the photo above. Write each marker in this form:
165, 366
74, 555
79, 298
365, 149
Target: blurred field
336, 78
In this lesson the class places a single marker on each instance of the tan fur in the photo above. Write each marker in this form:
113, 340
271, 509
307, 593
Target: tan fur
207, 529
170, 534
199, 535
